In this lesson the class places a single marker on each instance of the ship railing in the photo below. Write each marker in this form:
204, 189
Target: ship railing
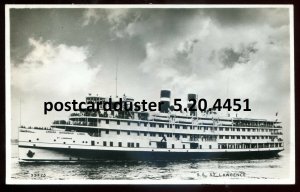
38, 128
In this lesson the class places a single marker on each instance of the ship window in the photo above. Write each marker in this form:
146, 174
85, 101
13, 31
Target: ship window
145, 124
253, 137
248, 137
152, 134
248, 130
184, 126
238, 137
200, 146
243, 137
226, 129
132, 145
226, 137
29, 140
107, 131
160, 135
238, 129
257, 137
97, 142
152, 124
184, 136
221, 129
54, 140
128, 144
145, 134
118, 132
170, 126
177, 126
173, 146
128, 123
137, 145
205, 128
37, 139
104, 143
209, 146
232, 137
120, 144
243, 130
138, 124
161, 125
138, 133
128, 132
118, 122
183, 146
64, 142
111, 144
82, 141
107, 121
221, 136
73, 141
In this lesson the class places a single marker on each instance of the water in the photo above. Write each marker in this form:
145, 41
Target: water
274, 168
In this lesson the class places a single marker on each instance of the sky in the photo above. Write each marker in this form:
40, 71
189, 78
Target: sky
65, 54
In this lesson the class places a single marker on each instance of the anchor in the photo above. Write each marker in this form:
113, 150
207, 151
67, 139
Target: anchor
30, 154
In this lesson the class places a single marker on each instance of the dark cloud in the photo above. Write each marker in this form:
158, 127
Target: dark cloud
242, 17
229, 57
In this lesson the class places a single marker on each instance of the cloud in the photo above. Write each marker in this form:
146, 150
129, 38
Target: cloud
49, 72
61, 66
120, 20
229, 57
90, 16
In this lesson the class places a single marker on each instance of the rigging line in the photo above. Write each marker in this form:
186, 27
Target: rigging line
117, 63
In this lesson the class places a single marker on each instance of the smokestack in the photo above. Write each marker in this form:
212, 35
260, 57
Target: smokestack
192, 96
165, 98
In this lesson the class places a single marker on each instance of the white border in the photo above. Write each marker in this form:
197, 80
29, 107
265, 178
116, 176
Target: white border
9, 180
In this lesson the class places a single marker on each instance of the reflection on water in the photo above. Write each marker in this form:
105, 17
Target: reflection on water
274, 168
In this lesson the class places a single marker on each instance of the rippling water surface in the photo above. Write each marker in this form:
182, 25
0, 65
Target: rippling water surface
274, 168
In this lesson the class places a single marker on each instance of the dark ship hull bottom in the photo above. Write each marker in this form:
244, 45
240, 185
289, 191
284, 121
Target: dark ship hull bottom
62, 154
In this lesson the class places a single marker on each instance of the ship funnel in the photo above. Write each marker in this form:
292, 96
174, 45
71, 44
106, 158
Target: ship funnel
165, 98
192, 96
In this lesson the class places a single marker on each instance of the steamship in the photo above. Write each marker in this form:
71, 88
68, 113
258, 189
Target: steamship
165, 134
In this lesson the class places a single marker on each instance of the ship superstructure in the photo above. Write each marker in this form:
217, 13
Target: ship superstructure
94, 135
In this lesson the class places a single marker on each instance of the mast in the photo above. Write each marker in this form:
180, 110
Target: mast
20, 120
117, 77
